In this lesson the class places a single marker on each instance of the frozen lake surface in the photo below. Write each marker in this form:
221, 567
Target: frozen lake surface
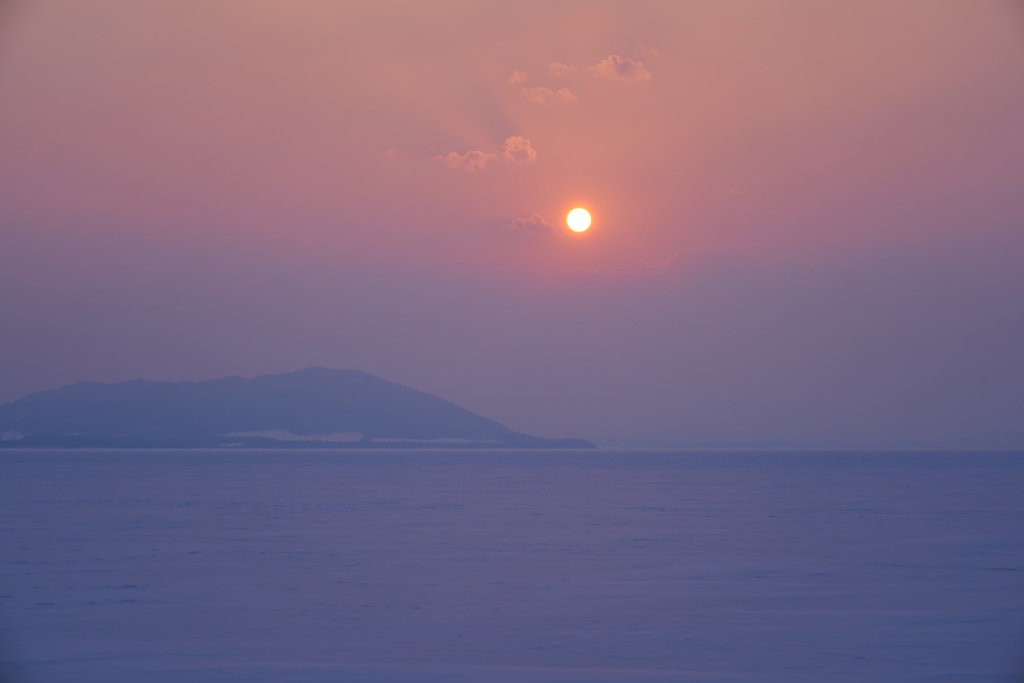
502, 567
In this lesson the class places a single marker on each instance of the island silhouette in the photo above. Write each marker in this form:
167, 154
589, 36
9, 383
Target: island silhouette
312, 408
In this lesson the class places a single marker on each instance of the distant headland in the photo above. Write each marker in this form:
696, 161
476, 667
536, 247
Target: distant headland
311, 408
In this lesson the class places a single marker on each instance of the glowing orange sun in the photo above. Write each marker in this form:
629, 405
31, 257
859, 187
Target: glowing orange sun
578, 220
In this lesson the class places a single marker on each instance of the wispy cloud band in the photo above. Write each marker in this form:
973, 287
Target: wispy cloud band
542, 95
515, 149
617, 68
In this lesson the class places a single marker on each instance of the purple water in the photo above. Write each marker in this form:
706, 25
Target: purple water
488, 566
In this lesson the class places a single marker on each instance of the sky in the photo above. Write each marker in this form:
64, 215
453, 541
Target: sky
808, 216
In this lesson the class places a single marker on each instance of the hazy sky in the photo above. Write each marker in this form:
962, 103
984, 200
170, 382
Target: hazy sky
808, 215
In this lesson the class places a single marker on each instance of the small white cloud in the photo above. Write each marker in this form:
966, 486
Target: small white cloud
559, 69
542, 95
515, 149
517, 77
618, 69
518, 150
534, 223
470, 161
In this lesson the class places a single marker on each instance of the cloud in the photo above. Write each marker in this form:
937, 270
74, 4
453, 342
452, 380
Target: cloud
534, 223
652, 53
559, 69
618, 69
542, 95
470, 161
515, 149
517, 77
518, 149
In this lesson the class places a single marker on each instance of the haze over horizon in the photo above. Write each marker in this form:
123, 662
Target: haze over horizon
808, 223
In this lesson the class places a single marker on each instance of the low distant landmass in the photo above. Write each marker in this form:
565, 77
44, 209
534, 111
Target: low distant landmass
311, 408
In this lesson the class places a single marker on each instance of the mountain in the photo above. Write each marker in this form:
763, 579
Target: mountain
311, 408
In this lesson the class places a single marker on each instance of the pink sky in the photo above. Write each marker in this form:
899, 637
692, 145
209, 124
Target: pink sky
192, 189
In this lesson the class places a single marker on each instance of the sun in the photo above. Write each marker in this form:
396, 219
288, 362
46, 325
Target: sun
578, 220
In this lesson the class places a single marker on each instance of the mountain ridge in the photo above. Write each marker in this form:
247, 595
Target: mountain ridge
240, 412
